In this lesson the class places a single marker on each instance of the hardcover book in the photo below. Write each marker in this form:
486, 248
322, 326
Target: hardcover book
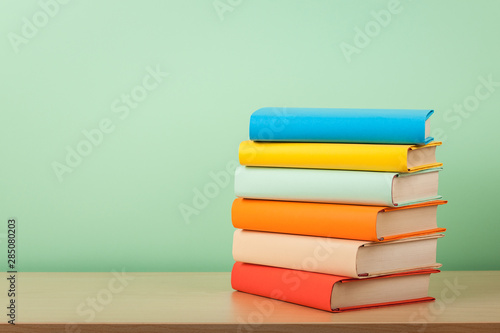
369, 223
368, 157
331, 292
337, 186
396, 126
346, 257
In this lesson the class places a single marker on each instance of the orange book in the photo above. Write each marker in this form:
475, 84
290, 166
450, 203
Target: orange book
370, 223
330, 292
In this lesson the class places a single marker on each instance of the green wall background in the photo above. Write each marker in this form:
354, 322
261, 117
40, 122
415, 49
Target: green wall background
120, 207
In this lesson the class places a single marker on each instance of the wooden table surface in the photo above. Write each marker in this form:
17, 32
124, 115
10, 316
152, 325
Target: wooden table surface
467, 301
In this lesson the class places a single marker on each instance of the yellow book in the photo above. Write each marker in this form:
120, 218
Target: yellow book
367, 157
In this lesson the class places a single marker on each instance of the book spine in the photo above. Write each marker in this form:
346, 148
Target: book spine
316, 254
340, 125
314, 185
304, 288
306, 218
388, 158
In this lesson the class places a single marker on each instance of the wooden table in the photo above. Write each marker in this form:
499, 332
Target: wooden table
205, 302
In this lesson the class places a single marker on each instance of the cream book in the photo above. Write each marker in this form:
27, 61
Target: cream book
345, 257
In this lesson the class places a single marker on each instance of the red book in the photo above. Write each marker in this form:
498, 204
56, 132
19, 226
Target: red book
330, 292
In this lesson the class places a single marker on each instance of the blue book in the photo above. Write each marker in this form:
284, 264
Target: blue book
389, 126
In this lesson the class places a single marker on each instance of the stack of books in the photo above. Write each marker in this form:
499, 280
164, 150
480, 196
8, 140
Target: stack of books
336, 208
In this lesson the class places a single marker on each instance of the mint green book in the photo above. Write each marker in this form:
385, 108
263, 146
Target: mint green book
337, 186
